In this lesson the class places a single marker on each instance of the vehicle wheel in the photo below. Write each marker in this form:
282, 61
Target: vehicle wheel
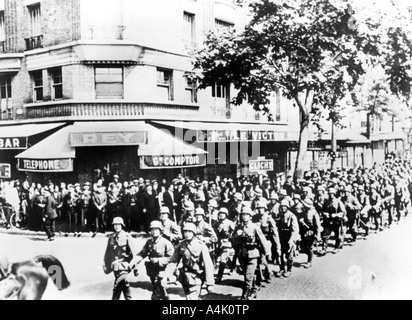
22, 224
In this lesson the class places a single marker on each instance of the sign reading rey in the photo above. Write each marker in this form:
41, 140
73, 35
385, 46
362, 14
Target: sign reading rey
94, 139
168, 162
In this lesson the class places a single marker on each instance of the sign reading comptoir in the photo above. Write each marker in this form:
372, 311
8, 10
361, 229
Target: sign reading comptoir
44, 165
166, 162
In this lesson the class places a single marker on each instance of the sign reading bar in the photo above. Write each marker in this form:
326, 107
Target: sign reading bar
13, 143
261, 165
5, 172
96, 139
244, 136
53, 165
167, 162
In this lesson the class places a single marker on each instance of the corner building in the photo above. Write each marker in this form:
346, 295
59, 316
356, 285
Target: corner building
93, 88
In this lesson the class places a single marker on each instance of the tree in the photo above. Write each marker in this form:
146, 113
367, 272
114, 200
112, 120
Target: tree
312, 50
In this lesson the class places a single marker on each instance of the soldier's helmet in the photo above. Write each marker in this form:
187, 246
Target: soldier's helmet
213, 203
261, 205
118, 220
156, 225
247, 210
285, 203
200, 212
274, 196
165, 210
238, 196
224, 210
190, 227
308, 203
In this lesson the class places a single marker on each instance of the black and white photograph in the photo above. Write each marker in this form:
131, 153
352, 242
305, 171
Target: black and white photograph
227, 151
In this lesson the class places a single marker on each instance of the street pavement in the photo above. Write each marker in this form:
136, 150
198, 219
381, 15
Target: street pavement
377, 268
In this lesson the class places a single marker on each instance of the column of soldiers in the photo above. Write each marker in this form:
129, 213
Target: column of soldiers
249, 233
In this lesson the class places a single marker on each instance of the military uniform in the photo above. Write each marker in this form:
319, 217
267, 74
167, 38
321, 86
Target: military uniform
119, 253
249, 239
159, 251
353, 208
171, 231
364, 214
334, 216
288, 227
310, 229
224, 231
196, 267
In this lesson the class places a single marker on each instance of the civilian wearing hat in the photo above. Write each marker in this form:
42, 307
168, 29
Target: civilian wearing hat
50, 215
259, 198
169, 200
70, 203
171, 231
353, 209
288, 228
188, 215
84, 199
150, 206
224, 229
98, 221
334, 215
119, 254
310, 229
196, 264
249, 238
159, 251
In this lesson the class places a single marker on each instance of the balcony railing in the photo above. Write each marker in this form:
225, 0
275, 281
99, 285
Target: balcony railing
34, 42
95, 110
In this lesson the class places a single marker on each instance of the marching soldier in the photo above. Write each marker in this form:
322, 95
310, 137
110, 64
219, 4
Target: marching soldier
171, 231
364, 214
249, 239
334, 214
159, 251
353, 208
192, 264
269, 229
388, 200
236, 208
119, 253
273, 206
288, 227
224, 229
205, 231
375, 212
310, 229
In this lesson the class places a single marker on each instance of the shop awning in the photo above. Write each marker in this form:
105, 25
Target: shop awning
166, 151
53, 154
157, 148
235, 132
15, 136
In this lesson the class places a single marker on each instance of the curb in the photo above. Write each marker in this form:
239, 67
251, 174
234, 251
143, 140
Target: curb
83, 235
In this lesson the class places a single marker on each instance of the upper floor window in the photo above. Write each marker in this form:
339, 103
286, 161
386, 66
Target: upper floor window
37, 79
189, 36
165, 84
56, 78
2, 28
5, 86
218, 91
35, 19
109, 82
191, 88
223, 26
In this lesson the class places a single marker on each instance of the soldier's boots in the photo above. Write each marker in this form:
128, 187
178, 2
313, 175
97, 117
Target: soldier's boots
266, 274
246, 294
219, 278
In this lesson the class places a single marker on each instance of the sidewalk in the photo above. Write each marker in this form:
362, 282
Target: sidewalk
12, 231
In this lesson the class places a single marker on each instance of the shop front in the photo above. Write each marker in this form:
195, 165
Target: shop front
15, 139
232, 146
89, 151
